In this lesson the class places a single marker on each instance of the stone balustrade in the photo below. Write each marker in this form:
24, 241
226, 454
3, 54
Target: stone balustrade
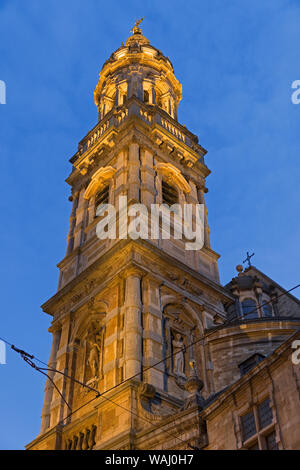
151, 115
171, 128
83, 440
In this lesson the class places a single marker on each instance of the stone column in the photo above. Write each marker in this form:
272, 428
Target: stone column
152, 95
134, 172
58, 407
135, 86
206, 226
91, 212
133, 324
152, 333
192, 198
117, 102
72, 366
79, 219
70, 237
120, 179
139, 89
49, 386
148, 177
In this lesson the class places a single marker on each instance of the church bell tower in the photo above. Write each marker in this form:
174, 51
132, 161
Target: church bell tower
127, 311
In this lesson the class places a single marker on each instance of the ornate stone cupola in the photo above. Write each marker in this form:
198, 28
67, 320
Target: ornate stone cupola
137, 69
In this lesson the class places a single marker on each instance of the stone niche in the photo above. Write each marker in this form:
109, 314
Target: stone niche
179, 330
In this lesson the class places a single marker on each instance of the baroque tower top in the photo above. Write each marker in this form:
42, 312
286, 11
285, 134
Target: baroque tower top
137, 69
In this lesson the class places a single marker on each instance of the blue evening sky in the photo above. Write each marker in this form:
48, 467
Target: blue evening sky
236, 61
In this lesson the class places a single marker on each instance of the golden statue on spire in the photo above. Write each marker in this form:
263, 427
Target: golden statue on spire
136, 28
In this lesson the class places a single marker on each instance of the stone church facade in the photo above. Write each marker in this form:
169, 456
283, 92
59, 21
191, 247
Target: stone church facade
180, 361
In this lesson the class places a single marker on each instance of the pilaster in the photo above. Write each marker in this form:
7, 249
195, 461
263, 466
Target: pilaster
133, 324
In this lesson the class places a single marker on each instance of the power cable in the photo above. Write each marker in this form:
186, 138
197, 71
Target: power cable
28, 358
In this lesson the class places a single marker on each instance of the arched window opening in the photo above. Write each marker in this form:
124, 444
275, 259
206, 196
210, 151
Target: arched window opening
169, 194
123, 98
146, 96
267, 310
249, 308
102, 197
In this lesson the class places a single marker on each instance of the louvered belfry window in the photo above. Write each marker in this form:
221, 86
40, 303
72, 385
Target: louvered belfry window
169, 194
102, 197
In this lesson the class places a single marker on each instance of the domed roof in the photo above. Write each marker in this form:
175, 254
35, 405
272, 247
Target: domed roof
137, 50
134, 44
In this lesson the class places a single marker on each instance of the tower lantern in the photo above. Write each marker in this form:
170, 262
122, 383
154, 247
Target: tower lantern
137, 69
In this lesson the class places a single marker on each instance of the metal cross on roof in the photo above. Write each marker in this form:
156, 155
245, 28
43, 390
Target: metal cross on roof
248, 258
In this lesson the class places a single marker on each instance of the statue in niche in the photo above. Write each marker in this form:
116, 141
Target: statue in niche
94, 353
178, 351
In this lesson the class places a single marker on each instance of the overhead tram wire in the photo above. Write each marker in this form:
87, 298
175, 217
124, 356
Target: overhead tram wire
28, 358
171, 355
25, 356
159, 362
185, 348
